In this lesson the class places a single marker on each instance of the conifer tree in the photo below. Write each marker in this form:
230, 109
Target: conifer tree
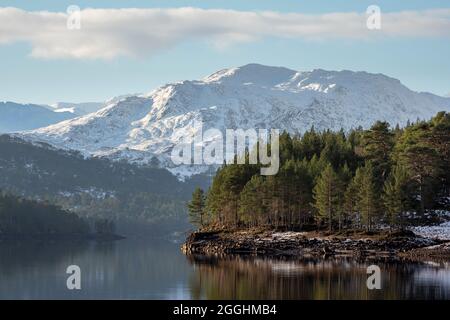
396, 196
378, 143
351, 198
421, 159
439, 139
326, 196
197, 208
368, 197
252, 208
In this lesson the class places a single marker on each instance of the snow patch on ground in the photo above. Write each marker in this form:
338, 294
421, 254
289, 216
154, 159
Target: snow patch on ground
287, 235
441, 231
184, 171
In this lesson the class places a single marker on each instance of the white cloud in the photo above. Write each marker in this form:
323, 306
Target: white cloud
109, 33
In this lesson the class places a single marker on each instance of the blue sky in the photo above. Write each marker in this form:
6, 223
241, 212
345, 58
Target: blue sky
421, 63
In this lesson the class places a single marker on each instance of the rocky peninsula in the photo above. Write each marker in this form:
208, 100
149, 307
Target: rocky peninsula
382, 244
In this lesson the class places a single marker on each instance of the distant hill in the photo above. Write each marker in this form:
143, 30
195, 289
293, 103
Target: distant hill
18, 117
133, 196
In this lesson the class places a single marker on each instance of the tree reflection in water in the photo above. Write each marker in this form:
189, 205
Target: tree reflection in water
244, 277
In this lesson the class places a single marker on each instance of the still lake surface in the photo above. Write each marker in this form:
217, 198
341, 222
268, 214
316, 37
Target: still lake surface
149, 269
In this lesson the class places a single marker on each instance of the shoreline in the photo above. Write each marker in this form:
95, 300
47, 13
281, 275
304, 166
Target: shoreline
270, 243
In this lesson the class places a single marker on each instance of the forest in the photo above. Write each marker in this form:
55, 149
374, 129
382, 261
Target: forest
140, 199
24, 218
31, 218
357, 180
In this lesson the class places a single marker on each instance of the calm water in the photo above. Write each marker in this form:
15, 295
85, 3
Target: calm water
132, 269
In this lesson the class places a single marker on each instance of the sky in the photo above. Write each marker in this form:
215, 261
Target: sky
135, 46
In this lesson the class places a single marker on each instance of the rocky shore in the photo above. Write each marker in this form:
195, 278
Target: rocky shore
315, 244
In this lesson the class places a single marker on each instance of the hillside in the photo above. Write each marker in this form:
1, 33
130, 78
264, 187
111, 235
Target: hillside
130, 195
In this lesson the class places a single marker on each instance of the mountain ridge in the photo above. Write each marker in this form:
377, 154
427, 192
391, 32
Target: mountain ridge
140, 128
19, 117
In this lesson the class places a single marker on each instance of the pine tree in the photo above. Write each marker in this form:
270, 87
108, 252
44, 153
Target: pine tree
350, 204
252, 209
197, 208
326, 196
351, 198
396, 196
368, 197
378, 144
302, 193
439, 139
421, 159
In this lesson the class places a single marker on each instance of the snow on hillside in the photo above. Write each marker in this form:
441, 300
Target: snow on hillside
142, 127
78, 109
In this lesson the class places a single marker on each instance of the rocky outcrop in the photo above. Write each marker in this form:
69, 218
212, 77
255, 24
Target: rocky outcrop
302, 244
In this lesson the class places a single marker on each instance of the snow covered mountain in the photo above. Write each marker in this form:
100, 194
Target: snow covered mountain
77, 109
18, 117
84, 108
141, 127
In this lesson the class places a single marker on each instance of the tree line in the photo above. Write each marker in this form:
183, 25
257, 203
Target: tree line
362, 179
30, 218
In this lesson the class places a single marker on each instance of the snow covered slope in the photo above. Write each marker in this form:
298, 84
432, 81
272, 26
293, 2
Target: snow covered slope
78, 109
139, 127
18, 117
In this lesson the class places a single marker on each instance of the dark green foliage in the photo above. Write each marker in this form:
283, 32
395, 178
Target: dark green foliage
352, 200
197, 208
397, 196
423, 149
251, 202
368, 197
377, 145
360, 179
326, 196
20, 217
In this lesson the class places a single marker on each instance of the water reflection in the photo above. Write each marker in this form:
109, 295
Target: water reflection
129, 269
149, 269
342, 278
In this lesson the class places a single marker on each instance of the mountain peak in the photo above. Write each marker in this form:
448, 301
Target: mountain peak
252, 73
